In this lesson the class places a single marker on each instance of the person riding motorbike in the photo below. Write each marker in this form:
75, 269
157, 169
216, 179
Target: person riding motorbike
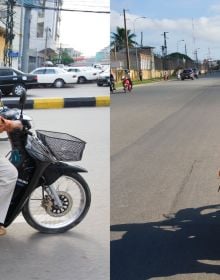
127, 79
8, 174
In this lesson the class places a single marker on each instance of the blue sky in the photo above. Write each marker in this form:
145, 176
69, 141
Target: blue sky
197, 22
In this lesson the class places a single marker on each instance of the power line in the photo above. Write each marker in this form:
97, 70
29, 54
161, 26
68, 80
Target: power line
32, 6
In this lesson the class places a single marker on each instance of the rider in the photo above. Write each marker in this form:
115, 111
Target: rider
127, 77
8, 175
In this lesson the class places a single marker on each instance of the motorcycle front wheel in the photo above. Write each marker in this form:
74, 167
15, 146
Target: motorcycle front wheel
41, 213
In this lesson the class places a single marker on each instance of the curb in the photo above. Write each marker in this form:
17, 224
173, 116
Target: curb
58, 102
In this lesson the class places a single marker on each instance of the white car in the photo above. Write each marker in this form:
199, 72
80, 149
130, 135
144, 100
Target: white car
85, 74
54, 76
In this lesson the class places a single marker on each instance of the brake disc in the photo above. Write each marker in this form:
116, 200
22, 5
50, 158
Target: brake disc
54, 210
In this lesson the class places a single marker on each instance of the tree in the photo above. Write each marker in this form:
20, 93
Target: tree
63, 58
118, 39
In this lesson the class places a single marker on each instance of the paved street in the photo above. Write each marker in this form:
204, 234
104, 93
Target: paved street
83, 252
76, 90
165, 156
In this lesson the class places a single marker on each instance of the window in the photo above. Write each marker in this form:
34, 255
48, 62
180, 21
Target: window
41, 13
50, 71
6, 72
39, 71
40, 29
74, 70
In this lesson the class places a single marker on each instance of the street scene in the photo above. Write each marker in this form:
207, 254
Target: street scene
54, 106
165, 148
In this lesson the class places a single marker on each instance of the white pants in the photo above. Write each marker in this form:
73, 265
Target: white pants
8, 177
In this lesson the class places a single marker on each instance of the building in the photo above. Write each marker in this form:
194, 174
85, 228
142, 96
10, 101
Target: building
44, 30
14, 52
2, 32
139, 58
103, 56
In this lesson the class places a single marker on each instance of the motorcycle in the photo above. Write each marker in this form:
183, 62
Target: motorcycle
127, 85
50, 193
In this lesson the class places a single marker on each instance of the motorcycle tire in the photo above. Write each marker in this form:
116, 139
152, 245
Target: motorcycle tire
41, 214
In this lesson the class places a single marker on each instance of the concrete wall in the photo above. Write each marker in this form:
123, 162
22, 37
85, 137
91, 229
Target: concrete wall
146, 74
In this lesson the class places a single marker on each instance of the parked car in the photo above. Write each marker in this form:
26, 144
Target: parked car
104, 78
54, 76
15, 82
187, 74
85, 74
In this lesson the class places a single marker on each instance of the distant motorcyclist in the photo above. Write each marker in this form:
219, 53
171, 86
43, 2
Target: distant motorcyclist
127, 79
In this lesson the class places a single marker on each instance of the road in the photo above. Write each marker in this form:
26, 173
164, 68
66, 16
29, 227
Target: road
76, 90
165, 157
83, 252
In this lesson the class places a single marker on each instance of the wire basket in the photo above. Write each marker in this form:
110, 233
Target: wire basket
63, 146
38, 150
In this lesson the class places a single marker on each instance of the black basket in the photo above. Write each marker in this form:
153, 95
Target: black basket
63, 146
38, 150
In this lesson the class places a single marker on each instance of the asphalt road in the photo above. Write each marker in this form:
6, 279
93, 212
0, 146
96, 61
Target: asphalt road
83, 252
165, 157
76, 90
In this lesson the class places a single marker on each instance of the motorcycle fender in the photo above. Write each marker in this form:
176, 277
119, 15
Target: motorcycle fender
54, 171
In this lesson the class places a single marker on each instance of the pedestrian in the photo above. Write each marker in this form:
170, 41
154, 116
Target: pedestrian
140, 75
112, 81
165, 77
8, 175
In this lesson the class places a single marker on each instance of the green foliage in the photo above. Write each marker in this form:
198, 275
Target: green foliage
62, 58
118, 39
177, 55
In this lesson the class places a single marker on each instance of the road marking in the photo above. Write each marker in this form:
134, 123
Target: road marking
48, 103
102, 101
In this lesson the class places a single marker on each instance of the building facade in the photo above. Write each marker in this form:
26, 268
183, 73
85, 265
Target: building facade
45, 32
16, 31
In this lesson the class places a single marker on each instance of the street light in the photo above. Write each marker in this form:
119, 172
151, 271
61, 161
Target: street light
137, 64
196, 56
177, 44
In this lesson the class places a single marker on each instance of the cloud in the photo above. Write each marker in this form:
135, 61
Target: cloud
199, 33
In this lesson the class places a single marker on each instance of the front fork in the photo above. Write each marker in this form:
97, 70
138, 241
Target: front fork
50, 190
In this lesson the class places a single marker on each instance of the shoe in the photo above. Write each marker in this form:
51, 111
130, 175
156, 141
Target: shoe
2, 231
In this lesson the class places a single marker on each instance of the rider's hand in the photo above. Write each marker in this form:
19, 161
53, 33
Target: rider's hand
8, 126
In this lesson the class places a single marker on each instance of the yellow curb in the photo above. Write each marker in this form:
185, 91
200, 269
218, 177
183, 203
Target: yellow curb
102, 100
47, 103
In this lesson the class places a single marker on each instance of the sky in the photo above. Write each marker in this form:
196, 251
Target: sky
85, 32
193, 25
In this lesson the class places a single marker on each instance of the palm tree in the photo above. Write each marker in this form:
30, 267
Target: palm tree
118, 39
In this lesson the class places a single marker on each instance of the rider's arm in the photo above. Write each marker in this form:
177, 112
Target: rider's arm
8, 126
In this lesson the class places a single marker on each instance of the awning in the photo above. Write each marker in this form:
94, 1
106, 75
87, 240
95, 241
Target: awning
48, 51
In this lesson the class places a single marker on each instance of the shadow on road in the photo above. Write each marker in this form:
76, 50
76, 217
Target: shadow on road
183, 243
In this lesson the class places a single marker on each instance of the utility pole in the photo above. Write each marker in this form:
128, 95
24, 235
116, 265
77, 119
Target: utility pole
165, 43
26, 39
21, 34
141, 39
60, 53
9, 33
164, 50
185, 50
126, 41
46, 41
